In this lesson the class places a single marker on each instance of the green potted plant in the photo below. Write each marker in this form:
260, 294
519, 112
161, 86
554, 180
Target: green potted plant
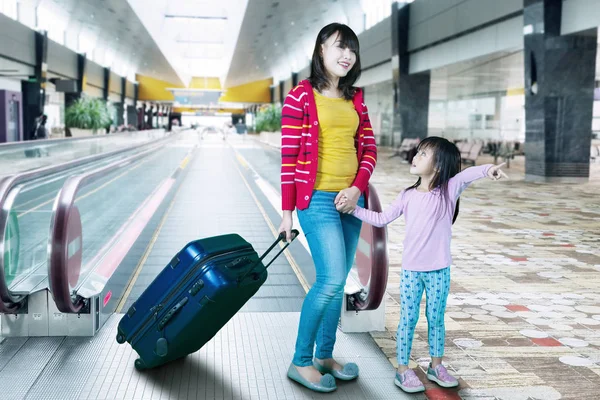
268, 119
87, 116
268, 124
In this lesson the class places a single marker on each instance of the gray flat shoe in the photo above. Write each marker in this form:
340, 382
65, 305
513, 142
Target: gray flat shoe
326, 385
348, 373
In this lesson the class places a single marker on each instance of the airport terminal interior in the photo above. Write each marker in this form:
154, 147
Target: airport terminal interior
131, 128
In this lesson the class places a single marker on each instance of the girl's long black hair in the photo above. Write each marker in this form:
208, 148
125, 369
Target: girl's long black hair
446, 163
318, 74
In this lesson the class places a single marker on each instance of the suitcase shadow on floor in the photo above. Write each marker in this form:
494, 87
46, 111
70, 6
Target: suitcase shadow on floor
193, 378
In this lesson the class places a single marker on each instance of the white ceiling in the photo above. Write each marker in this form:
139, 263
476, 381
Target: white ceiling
241, 41
198, 37
277, 37
108, 31
238, 41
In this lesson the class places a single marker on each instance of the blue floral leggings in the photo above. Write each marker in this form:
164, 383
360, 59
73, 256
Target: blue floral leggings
436, 285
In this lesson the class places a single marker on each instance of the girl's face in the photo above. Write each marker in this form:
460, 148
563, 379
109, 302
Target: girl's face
337, 61
422, 163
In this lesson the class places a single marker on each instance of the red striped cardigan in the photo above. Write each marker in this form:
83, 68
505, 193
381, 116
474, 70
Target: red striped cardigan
300, 146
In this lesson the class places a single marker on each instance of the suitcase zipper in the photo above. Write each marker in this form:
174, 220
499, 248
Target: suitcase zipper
156, 309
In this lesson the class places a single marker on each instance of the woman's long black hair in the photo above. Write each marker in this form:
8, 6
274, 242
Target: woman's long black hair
318, 74
446, 163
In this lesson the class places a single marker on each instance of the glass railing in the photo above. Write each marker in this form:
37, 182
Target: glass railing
26, 239
26, 202
25, 156
97, 218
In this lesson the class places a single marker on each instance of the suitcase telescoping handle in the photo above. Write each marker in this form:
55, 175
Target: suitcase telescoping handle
281, 237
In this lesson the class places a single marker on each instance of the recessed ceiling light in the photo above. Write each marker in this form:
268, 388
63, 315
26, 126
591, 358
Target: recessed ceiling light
276, 43
292, 23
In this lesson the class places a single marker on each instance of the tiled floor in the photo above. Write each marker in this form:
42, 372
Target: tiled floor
523, 317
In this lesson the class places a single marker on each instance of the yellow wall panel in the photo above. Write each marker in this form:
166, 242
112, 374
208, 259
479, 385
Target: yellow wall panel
515, 91
155, 89
253, 92
205, 83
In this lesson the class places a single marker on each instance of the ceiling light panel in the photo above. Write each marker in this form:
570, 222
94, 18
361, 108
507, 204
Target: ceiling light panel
197, 8
202, 50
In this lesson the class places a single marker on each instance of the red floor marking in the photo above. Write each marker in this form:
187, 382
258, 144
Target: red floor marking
547, 342
517, 259
544, 215
547, 234
567, 245
132, 230
516, 307
442, 394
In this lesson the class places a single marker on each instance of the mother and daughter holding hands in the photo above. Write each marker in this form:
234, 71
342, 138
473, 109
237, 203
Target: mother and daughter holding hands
328, 156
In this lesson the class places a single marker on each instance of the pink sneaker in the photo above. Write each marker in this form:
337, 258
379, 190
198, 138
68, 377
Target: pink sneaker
409, 382
441, 376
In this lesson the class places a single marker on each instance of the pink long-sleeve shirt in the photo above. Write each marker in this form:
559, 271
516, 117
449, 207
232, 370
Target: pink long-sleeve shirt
428, 221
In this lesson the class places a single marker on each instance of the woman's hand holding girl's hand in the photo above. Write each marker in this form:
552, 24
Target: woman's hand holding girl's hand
495, 173
346, 199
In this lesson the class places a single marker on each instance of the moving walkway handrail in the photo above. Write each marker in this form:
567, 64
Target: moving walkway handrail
379, 261
35, 143
58, 271
10, 303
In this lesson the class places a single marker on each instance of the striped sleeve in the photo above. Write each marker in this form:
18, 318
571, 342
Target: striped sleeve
292, 118
367, 162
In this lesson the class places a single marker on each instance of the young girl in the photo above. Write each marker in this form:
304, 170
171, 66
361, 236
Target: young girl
327, 151
430, 207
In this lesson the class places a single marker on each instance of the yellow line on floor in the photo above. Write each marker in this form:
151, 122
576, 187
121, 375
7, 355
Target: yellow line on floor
36, 199
138, 268
287, 254
185, 162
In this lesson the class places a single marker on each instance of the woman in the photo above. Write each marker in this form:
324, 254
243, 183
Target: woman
328, 155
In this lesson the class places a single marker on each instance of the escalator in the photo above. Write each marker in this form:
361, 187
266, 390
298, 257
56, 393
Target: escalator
26, 205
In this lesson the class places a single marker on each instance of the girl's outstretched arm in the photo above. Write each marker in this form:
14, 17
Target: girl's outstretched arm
380, 219
463, 179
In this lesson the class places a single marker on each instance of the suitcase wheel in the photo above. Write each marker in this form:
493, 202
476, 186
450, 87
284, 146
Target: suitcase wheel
120, 338
139, 365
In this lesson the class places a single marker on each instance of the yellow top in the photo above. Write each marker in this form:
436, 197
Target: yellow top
338, 123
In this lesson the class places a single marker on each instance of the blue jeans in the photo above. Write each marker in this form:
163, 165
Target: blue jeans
332, 238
